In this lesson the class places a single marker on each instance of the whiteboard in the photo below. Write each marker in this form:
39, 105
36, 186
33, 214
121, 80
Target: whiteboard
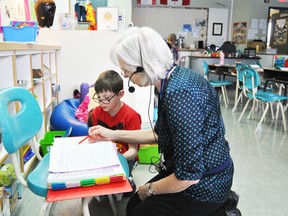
168, 20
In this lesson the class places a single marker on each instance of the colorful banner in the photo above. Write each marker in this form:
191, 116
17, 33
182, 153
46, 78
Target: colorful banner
175, 2
146, 2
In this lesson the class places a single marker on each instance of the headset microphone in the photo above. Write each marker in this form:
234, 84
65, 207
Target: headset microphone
131, 89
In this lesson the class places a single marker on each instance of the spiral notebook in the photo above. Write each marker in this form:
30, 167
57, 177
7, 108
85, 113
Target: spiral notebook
79, 165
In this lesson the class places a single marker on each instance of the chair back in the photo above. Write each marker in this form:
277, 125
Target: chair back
251, 80
205, 69
239, 70
182, 61
20, 126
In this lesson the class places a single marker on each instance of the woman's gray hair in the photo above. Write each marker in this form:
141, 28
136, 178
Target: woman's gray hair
143, 47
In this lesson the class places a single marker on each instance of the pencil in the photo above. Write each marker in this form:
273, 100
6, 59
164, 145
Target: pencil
83, 139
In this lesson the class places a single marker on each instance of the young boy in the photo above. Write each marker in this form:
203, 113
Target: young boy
114, 114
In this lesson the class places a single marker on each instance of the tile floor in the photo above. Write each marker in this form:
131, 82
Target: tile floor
261, 171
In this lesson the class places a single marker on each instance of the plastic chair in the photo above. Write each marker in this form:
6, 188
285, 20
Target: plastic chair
217, 84
86, 200
182, 61
251, 82
18, 129
239, 87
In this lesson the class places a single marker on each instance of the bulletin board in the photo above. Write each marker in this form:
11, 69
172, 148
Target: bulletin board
279, 33
171, 20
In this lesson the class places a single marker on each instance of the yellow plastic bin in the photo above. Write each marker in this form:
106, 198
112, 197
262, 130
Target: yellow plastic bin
48, 139
147, 152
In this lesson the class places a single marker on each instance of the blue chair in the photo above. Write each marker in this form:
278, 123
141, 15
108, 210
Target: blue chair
217, 84
20, 127
239, 87
251, 82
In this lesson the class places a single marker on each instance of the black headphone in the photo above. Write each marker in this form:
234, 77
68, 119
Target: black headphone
139, 69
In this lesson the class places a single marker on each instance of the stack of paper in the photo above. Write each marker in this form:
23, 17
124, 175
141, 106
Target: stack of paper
76, 165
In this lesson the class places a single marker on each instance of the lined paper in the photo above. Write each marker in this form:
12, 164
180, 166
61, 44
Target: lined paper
78, 157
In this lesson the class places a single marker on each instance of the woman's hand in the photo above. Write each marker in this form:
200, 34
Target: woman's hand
143, 192
99, 133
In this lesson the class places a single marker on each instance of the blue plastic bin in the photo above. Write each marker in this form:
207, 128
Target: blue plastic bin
24, 34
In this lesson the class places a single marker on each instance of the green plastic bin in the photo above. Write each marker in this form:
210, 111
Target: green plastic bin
48, 139
146, 152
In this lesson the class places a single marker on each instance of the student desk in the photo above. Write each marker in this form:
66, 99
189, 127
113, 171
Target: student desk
91, 191
277, 76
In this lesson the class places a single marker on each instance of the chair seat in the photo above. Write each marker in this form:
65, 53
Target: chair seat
220, 83
37, 179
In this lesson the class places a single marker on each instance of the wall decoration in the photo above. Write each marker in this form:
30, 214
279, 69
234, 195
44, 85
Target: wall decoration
107, 18
240, 32
280, 32
45, 12
187, 27
217, 29
200, 22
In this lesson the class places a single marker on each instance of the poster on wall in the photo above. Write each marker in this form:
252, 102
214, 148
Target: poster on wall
240, 32
107, 18
280, 32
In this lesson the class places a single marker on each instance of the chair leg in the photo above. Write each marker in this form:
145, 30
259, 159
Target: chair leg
283, 116
246, 105
237, 101
112, 203
252, 110
262, 118
85, 205
224, 96
272, 112
47, 208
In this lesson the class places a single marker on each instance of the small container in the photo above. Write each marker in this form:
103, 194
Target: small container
147, 152
23, 34
48, 140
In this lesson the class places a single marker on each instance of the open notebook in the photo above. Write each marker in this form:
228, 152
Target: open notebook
76, 165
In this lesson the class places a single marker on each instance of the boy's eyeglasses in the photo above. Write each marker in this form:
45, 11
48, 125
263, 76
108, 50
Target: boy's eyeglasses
103, 101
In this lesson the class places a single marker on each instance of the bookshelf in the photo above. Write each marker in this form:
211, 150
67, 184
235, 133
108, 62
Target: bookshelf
17, 61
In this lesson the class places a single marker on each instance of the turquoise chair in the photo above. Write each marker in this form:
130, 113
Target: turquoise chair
217, 84
239, 87
251, 82
20, 128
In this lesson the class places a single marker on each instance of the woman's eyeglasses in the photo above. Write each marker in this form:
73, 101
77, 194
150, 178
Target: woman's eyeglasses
103, 101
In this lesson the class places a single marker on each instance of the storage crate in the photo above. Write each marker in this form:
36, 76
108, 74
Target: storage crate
48, 139
24, 34
148, 153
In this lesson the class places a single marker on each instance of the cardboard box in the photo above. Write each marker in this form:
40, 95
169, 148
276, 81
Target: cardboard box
258, 45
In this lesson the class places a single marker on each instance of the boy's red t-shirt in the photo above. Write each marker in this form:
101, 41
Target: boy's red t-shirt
126, 119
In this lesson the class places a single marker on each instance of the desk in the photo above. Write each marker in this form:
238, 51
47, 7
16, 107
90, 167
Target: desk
223, 70
276, 75
195, 62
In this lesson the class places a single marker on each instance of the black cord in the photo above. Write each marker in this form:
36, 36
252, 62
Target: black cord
149, 116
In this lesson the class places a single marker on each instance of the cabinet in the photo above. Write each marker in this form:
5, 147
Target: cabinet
17, 61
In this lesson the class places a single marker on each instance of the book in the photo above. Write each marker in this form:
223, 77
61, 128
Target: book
80, 165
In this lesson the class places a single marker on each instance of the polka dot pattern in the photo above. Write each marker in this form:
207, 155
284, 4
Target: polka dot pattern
191, 132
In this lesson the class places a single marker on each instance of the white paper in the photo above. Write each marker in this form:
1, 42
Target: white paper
83, 175
79, 157
254, 23
262, 24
